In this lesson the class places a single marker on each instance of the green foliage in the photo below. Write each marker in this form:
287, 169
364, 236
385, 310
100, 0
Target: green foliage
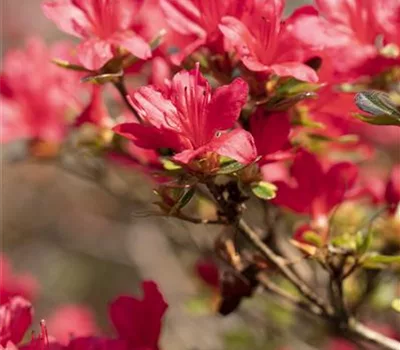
264, 190
380, 106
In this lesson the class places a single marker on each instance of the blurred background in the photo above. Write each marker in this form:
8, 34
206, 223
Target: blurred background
86, 242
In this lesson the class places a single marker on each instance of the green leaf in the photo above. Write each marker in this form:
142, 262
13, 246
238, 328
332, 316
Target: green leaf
65, 64
264, 190
396, 305
184, 198
169, 164
363, 240
280, 103
229, 167
293, 86
377, 120
103, 78
313, 238
375, 260
379, 105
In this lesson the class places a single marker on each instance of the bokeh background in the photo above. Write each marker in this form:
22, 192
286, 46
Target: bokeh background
88, 241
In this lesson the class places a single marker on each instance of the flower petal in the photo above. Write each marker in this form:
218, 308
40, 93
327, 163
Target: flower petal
149, 137
271, 133
225, 106
132, 42
94, 53
15, 319
183, 16
155, 109
297, 70
66, 16
139, 321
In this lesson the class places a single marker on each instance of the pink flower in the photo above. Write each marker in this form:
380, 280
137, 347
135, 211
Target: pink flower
191, 120
139, 321
392, 192
71, 321
264, 44
314, 190
95, 112
199, 19
103, 25
35, 94
15, 318
350, 29
271, 135
12, 284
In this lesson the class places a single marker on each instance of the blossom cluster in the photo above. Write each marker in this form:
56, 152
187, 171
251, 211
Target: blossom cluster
137, 322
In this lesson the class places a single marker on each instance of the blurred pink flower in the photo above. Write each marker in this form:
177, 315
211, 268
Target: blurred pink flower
71, 321
36, 96
15, 318
104, 26
139, 321
263, 42
12, 284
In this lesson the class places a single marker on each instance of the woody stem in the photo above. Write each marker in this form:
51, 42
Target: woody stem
351, 328
120, 86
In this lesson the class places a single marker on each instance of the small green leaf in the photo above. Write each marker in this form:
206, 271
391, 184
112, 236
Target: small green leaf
169, 164
103, 78
184, 199
313, 238
229, 167
281, 103
363, 240
379, 105
375, 260
293, 86
377, 120
67, 65
396, 305
264, 190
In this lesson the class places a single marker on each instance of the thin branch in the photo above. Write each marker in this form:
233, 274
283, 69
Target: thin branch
287, 297
193, 220
358, 330
304, 289
255, 239
120, 86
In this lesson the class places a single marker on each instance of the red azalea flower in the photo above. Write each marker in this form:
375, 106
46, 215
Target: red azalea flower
71, 321
105, 26
15, 318
264, 44
271, 135
349, 29
191, 120
314, 190
392, 193
35, 94
334, 110
12, 284
139, 321
199, 19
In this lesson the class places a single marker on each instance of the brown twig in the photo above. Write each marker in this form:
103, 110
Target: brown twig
351, 328
120, 86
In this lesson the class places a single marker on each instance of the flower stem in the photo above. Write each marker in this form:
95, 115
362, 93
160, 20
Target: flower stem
120, 86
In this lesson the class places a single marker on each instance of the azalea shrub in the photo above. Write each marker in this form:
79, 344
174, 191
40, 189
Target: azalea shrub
279, 132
